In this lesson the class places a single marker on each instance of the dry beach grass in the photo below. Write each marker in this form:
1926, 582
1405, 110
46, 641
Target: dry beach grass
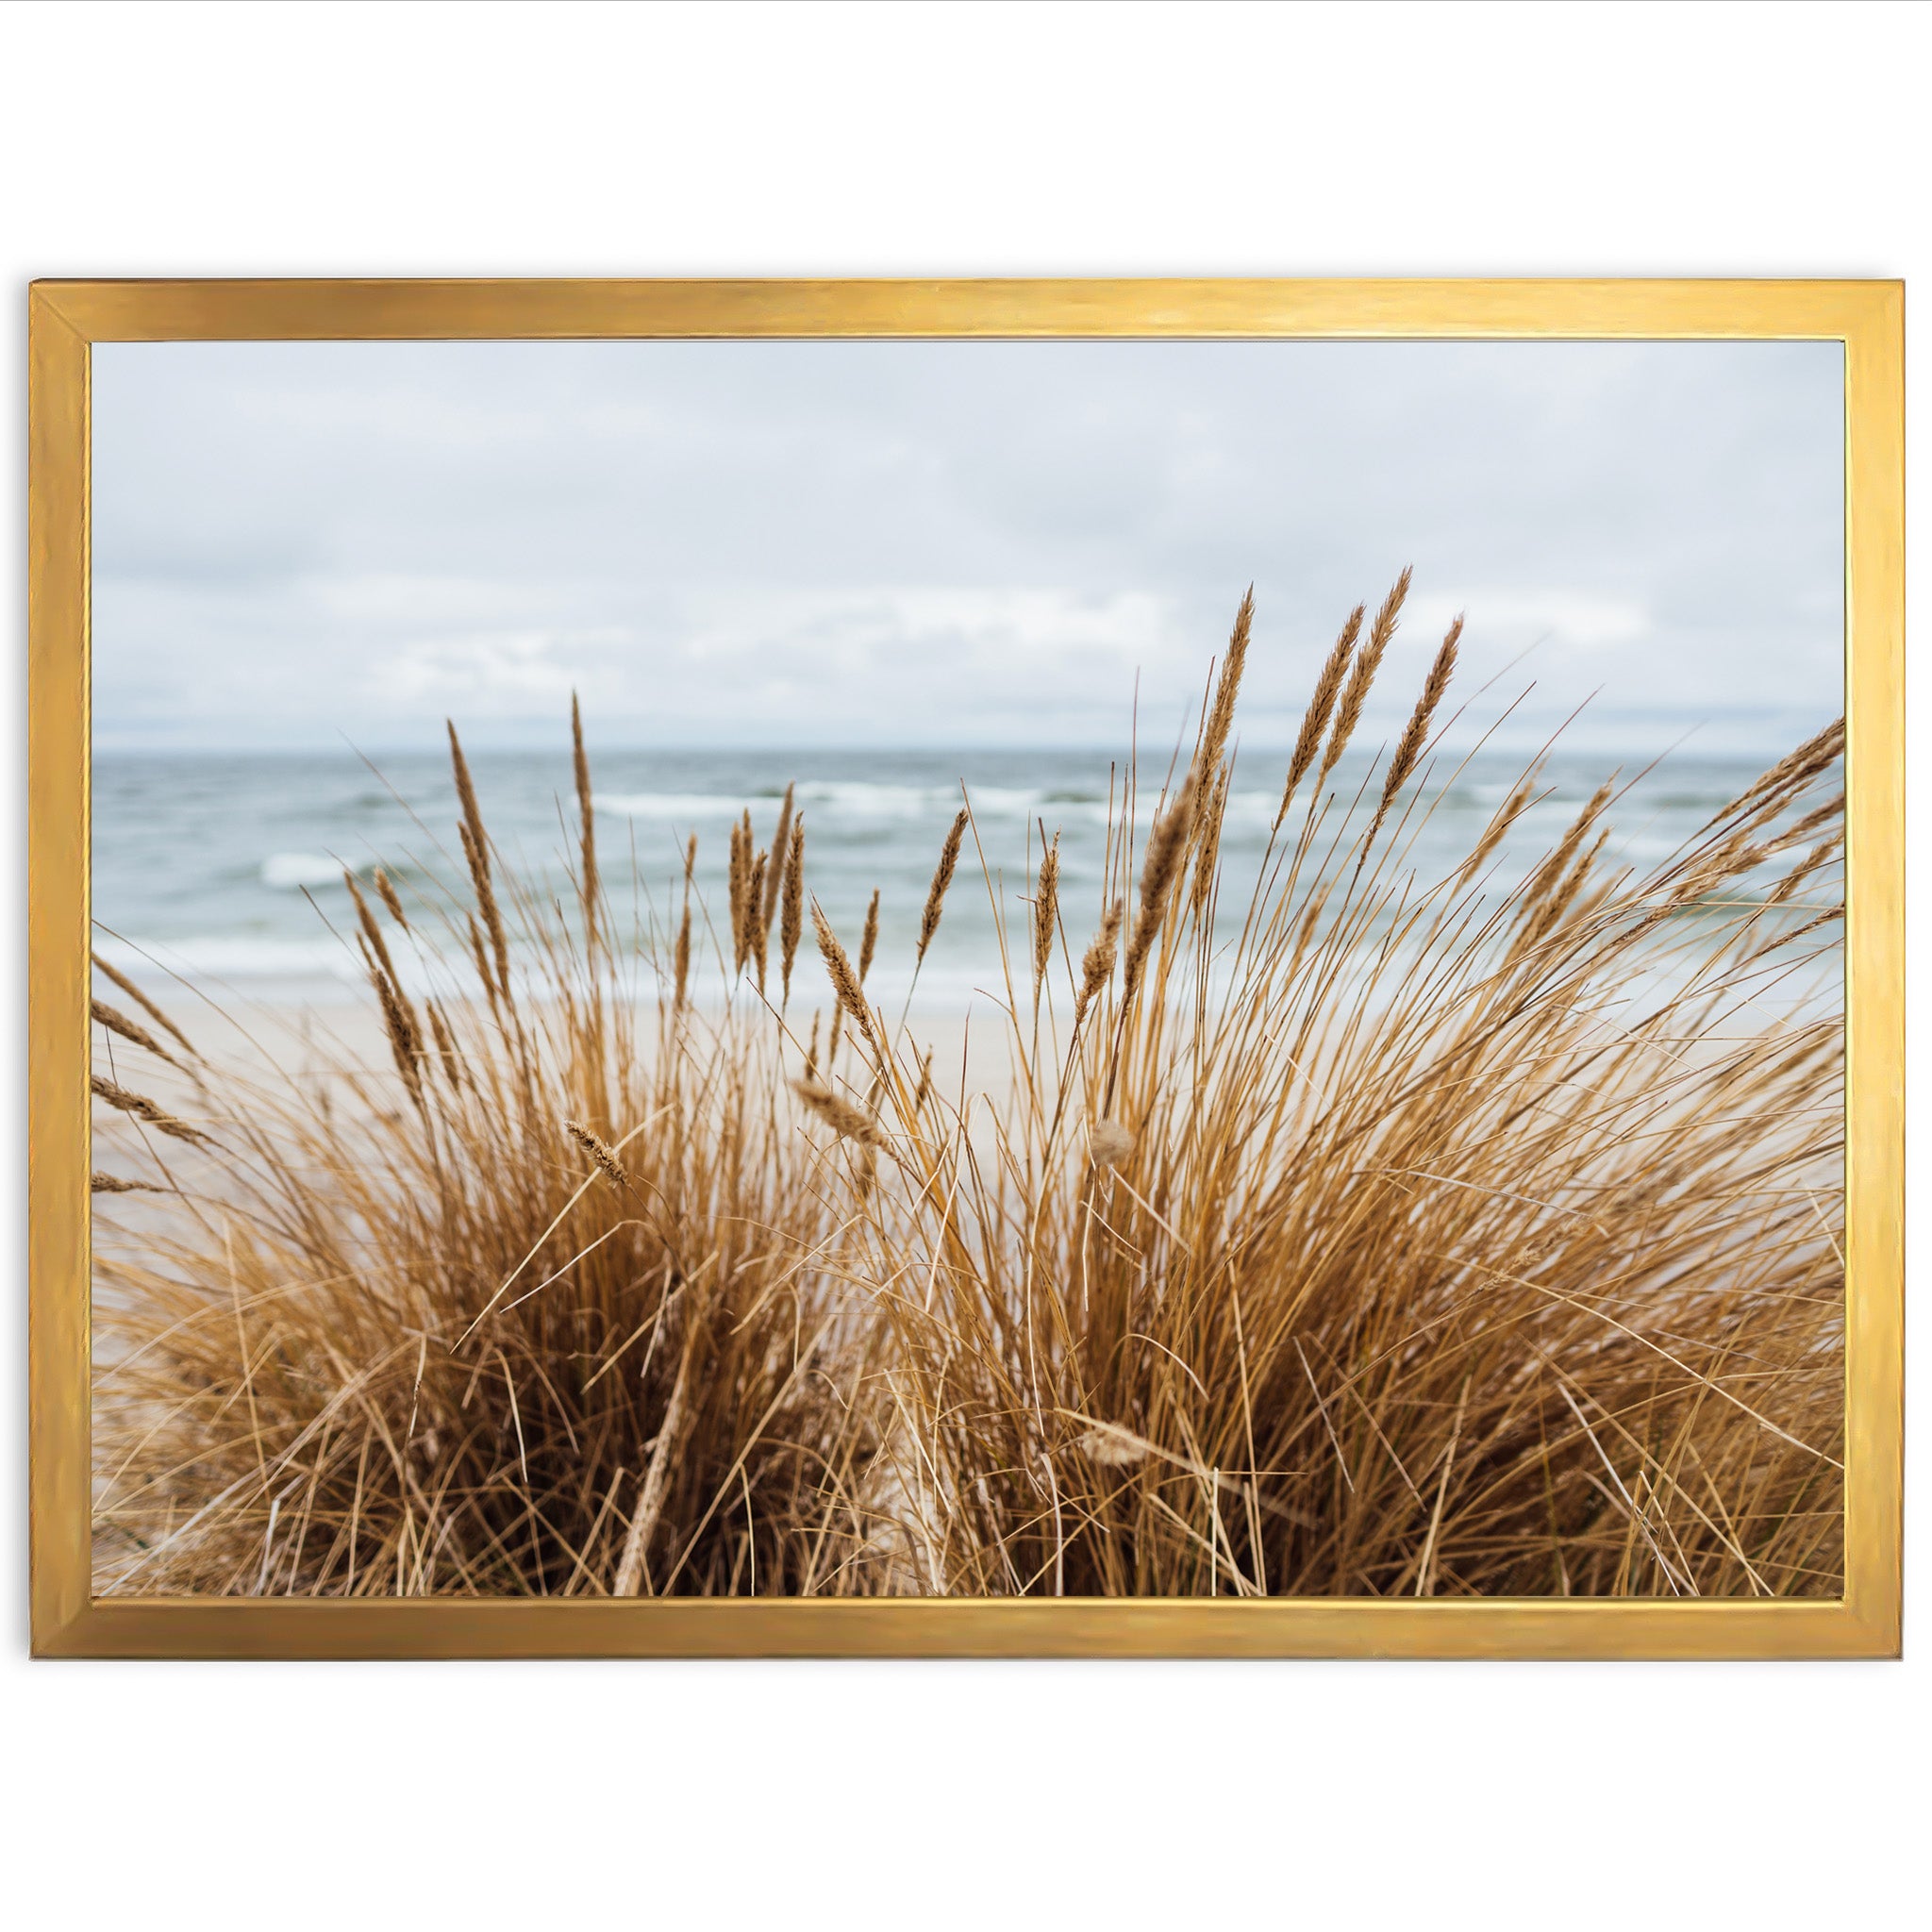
1336, 1231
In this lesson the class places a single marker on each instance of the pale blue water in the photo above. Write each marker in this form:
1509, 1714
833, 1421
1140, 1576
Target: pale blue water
225, 867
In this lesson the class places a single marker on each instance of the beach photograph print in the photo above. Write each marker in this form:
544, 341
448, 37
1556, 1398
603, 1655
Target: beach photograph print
968, 969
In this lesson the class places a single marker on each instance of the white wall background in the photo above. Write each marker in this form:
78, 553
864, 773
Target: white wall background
614, 139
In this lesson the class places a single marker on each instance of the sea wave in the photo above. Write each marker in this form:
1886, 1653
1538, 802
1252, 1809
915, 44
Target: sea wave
292, 971
869, 801
289, 871
227, 955
675, 805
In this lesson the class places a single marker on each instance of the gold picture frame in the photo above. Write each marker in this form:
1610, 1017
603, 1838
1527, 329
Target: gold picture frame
66, 318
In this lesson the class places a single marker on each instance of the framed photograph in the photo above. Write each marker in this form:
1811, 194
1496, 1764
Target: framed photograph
975, 968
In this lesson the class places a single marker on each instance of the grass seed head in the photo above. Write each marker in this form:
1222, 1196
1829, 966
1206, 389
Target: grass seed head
1045, 910
117, 1022
792, 922
869, 938
614, 1169
144, 1109
845, 982
140, 999
1321, 707
941, 880
845, 1120
1096, 966
1362, 676
386, 891
1166, 848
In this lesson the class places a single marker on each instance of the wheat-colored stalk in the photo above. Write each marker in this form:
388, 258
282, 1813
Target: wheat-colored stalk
1110, 1447
405, 1039
1800, 875
869, 938
1563, 897
475, 844
142, 1000
1166, 847
445, 1046
941, 880
845, 982
587, 847
1096, 965
1554, 869
144, 1109
681, 960
1520, 797
1363, 675
793, 921
372, 932
1408, 748
1045, 910
117, 1022
474, 841
614, 1169
1321, 707
1830, 813
756, 934
478, 957
386, 891
657, 1481
1207, 854
1227, 688
1791, 772
738, 887
466, 793
845, 1120
781, 845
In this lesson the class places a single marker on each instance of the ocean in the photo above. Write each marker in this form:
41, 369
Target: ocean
225, 868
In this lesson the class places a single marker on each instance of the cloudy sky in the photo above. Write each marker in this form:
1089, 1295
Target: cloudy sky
789, 543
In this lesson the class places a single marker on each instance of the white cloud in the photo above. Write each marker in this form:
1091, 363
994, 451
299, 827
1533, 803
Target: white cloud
795, 543
490, 672
1570, 619
856, 627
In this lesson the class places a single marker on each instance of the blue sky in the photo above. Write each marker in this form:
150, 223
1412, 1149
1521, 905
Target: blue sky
812, 544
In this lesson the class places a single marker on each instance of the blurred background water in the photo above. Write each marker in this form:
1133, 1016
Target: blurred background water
225, 868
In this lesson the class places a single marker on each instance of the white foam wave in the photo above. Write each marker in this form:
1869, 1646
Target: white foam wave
863, 802
273, 968
289, 871
218, 956
862, 798
676, 805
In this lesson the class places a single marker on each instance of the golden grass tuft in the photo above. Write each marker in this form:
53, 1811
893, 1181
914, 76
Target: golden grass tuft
1371, 1233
